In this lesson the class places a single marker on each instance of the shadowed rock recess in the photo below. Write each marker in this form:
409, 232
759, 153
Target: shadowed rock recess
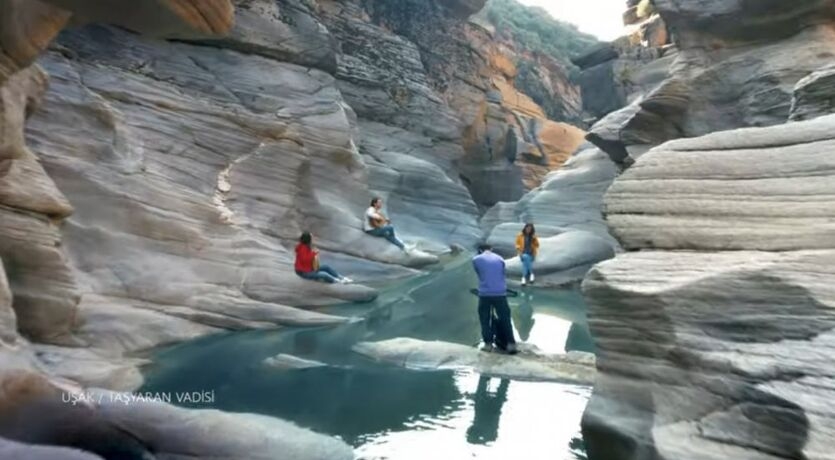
714, 330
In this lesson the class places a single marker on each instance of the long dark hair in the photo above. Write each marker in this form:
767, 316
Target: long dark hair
533, 229
306, 239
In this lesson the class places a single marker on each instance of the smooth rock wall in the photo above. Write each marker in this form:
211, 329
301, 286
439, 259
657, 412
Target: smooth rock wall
713, 339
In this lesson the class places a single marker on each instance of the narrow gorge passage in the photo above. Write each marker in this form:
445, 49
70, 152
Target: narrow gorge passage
386, 411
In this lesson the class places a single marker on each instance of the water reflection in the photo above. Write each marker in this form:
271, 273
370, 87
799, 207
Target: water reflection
522, 315
488, 411
389, 412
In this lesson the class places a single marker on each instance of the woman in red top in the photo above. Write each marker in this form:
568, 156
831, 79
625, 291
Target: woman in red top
307, 263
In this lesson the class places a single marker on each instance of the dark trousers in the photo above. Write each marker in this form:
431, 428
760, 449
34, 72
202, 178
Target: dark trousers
494, 315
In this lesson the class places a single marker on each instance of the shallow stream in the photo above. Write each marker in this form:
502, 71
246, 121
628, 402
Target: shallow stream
388, 412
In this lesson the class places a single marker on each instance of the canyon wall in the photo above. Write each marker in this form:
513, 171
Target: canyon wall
162, 179
714, 328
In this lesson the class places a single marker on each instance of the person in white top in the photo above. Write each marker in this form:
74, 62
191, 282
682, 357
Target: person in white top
376, 224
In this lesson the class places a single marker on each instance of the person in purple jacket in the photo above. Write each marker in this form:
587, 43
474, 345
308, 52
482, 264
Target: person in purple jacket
493, 310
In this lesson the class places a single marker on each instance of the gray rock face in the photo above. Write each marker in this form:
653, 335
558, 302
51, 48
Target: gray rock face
813, 95
762, 189
286, 30
565, 258
711, 355
566, 212
712, 340
737, 67
574, 367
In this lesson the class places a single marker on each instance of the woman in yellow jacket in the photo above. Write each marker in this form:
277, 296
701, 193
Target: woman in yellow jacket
527, 245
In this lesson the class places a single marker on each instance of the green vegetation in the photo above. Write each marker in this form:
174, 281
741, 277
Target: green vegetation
537, 32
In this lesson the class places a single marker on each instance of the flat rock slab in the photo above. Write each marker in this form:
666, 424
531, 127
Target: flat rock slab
574, 367
289, 362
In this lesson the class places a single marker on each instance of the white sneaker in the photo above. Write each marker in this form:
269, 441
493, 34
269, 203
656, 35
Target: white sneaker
532, 278
486, 347
346, 280
524, 281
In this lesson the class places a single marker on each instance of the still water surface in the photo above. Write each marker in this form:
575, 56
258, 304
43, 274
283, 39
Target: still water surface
387, 412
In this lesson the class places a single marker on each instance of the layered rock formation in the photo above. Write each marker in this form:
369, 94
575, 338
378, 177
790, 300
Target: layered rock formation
723, 346
453, 76
566, 212
713, 336
737, 66
160, 186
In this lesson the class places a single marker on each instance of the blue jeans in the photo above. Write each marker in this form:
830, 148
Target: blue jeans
325, 274
527, 265
494, 315
387, 232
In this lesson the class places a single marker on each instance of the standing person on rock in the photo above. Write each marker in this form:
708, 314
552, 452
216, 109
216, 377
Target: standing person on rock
493, 309
527, 245
307, 263
376, 224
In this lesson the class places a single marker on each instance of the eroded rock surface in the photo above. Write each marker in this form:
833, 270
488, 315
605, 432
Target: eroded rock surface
712, 339
763, 189
566, 212
737, 66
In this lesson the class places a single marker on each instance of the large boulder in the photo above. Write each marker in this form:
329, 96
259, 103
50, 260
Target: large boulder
565, 258
712, 355
712, 340
566, 212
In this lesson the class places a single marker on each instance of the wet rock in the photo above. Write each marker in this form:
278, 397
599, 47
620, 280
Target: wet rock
289, 362
813, 95
565, 258
574, 367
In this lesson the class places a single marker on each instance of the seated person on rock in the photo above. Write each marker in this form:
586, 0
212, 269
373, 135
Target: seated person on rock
307, 263
527, 245
493, 309
376, 224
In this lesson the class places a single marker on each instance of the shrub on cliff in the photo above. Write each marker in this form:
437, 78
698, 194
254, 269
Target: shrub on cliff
536, 31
